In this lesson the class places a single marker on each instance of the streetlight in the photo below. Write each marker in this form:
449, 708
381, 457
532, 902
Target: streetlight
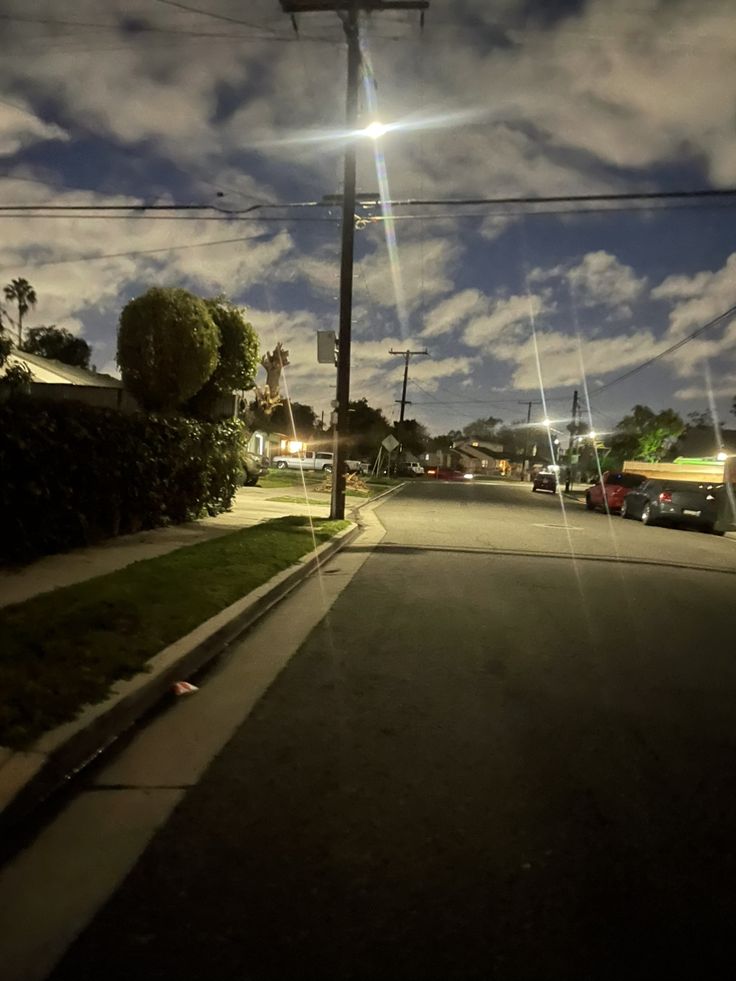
375, 130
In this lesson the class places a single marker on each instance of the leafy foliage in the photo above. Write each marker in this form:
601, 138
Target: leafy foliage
645, 434
75, 474
60, 344
482, 429
413, 436
368, 426
237, 357
279, 421
167, 347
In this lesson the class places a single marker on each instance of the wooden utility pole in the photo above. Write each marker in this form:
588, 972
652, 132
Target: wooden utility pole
349, 12
529, 403
406, 355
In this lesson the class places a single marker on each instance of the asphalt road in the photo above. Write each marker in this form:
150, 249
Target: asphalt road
490, 760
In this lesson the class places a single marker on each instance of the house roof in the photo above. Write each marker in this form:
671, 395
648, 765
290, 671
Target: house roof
50, 372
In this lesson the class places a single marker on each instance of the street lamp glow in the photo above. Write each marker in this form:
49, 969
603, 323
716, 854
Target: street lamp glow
722, 457
547, 423
375, 130
591, 435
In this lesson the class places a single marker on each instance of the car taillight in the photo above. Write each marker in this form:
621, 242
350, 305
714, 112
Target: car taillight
665, 497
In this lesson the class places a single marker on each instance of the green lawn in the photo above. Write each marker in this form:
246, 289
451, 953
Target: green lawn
289, 478
64, 649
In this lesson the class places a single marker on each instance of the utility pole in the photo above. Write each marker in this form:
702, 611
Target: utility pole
406, 355
348, 11
529, 403
573, 429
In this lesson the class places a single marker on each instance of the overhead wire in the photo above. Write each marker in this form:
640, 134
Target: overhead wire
730, 312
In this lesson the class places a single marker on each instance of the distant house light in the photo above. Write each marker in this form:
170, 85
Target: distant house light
722, 456
295, 445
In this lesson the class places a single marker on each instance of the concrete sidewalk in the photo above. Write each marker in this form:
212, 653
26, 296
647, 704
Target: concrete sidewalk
251, 506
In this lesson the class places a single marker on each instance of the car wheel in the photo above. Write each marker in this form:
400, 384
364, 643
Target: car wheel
647, 518
251, 481
713, 531
534, 490
588, 503
327, 469
281, 465
624, 510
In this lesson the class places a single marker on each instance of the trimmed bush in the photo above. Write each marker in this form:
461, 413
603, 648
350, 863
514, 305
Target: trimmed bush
167, 347
74, 474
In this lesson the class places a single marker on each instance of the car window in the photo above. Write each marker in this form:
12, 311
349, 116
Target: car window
324, 456
625, 479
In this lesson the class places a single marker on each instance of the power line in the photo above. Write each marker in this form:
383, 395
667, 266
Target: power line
120, 255
210, 13
674, 347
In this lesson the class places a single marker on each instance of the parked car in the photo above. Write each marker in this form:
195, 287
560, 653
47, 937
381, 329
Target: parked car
310, 460
410, 470
356, 466
610, 492
676, 502
254, 466
446, 473
545, 480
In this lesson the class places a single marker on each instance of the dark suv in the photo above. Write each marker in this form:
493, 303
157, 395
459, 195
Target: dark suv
254, 466
677, 502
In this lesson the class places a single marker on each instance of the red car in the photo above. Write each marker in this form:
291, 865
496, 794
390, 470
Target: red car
612, 490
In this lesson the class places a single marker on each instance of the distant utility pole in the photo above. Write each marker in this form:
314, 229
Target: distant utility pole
348, 11
573, 429
406, 355
529, 403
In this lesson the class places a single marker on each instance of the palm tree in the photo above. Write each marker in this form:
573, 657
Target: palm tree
21, 292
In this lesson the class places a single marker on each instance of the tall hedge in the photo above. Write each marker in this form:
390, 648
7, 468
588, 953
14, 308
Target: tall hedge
74, 474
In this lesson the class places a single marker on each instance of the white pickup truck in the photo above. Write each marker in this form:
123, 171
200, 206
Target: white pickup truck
315, 460
304, 461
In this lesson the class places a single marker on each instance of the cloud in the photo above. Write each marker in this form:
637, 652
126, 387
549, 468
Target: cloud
698, 298
559, 357
449, 315
511, 315
20, 128
599, 279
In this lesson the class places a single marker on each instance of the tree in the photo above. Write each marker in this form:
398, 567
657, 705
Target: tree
368, 427
645, 434
60, 344
20, 292
237, 357
13, 376
280, 420
482, 429
413, 436
167, 347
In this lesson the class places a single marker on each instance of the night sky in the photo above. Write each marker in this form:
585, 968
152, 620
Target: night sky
124, 102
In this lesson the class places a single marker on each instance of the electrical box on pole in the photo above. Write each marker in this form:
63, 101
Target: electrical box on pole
327, 348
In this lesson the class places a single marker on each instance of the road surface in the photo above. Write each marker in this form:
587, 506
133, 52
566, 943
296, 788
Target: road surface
491, 759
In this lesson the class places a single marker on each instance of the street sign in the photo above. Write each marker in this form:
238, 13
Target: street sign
390, 443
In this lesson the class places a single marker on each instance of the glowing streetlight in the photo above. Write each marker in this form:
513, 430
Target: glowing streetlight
547, 423
375, 130
591, 435
722, 457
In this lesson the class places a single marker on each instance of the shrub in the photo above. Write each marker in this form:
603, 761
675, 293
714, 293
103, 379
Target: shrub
167, 347
74, 474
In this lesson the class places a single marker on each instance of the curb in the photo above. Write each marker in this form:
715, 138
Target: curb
29, 777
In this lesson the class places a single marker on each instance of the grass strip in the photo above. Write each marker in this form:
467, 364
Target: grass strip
62, 650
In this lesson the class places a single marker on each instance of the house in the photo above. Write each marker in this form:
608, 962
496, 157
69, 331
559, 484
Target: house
56, 380
268, 444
